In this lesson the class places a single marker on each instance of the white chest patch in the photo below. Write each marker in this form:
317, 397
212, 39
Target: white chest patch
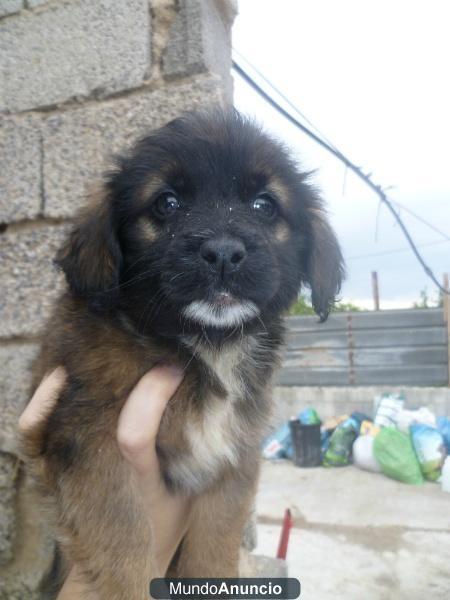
226, 367
214, 436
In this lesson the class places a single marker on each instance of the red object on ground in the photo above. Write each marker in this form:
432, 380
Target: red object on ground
284, 537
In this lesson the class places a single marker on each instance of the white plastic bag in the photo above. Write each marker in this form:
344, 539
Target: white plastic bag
363, 456
386, 408
406, 418
445, 476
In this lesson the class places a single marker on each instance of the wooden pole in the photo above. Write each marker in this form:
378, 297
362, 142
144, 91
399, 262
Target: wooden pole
446, 310
375, 291
445, 298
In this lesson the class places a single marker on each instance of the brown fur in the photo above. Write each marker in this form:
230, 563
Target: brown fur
98, 516
210, 434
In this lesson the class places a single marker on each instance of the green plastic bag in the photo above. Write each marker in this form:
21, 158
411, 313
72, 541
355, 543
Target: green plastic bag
341, 441
395, 454
309, 416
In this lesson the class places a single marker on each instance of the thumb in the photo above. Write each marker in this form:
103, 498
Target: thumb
141, 415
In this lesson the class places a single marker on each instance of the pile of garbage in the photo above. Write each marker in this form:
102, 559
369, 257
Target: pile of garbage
407, 445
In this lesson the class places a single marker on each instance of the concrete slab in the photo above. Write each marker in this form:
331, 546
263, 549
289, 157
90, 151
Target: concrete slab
349, 497
356, 534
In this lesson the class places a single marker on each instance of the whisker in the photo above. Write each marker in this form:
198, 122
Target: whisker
157, 299
138, 277
147, 306
261, 321
135, 262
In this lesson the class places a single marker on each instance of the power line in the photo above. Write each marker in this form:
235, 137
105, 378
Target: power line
322, 135
347, 162
285, 98
396, 251
421, 219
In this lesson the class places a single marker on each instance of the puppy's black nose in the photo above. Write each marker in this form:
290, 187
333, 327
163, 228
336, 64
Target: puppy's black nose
224, 255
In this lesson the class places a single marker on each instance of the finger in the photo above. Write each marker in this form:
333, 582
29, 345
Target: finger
142, 412
43, 400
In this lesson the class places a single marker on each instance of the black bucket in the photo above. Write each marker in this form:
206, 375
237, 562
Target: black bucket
306, 443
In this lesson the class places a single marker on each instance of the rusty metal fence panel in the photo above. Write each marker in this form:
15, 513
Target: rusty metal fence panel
395, 347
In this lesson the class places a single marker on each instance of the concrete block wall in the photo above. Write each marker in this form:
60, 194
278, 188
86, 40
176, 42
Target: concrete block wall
343, 400
79, 81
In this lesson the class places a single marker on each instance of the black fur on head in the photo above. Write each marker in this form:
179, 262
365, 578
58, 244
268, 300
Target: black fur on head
206, 225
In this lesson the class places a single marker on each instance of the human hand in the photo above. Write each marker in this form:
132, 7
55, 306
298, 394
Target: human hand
136, 436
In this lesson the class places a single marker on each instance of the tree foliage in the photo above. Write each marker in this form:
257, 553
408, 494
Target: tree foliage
427, 301
303, 307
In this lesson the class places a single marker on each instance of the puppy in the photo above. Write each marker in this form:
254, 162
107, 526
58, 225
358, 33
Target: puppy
196, 245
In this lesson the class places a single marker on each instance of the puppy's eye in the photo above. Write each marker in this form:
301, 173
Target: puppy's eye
166, 204
265, 205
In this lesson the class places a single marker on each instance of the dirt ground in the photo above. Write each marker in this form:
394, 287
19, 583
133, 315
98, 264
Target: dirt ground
357, 535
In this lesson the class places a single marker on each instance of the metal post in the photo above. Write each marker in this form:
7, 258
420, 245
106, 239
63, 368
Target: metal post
375, 291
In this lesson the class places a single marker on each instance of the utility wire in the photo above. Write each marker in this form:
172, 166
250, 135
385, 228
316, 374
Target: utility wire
421, 219
285, 98
347, 162
396, 251
322, 135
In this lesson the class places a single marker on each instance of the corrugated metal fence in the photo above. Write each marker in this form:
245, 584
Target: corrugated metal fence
392, 347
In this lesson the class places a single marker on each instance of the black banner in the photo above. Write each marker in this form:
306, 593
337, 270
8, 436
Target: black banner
247, 588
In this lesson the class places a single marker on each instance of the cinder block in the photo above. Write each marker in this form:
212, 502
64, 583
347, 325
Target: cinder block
33, 549
200, 40
73, 49
30, 281
9, 7
20, 172
15, 379
13, 588
78, 144
27, 550
8, 475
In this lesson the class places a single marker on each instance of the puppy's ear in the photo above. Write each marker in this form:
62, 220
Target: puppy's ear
325, 265
91, 257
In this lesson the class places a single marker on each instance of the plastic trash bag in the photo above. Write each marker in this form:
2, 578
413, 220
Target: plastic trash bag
309, 417
327, 429
363, 456
406, 418
325, 436
279, 444
340, 445
331, 423
394, 452
386, 408
360, 418
430, 450
445, 477
443, 424
368, 428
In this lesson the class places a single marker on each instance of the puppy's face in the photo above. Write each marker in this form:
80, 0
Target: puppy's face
206, 225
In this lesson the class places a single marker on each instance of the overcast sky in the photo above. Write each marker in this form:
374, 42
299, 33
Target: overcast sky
374, 77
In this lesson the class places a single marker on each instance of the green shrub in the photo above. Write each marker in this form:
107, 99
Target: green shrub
303, 307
